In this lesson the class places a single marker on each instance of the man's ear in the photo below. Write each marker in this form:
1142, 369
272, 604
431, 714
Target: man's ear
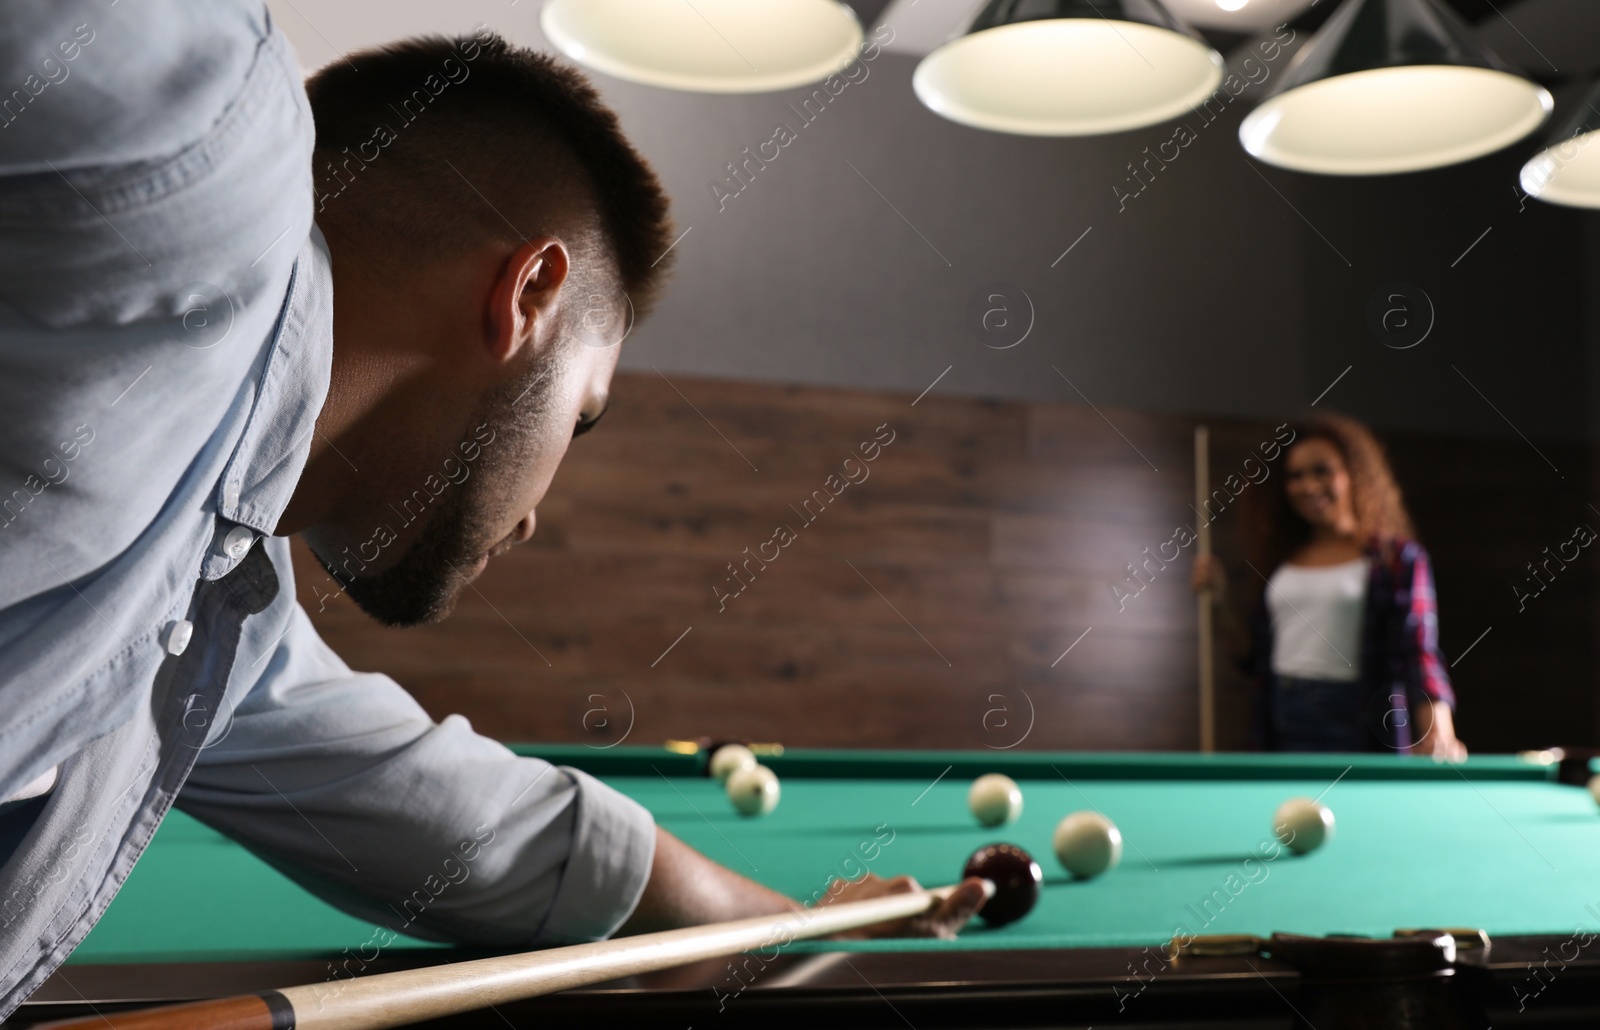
524, 296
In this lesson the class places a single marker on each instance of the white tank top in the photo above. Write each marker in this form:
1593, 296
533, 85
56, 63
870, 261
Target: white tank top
1316, 619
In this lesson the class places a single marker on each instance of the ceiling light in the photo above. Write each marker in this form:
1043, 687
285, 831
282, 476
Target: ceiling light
1392, 86
1068, 68
1567, 171
707, 46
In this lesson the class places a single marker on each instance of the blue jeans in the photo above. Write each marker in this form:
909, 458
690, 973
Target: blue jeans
1319, 715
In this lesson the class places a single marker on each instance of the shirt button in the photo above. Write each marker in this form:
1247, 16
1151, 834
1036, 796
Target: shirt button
230, 495
178, 634
237, 543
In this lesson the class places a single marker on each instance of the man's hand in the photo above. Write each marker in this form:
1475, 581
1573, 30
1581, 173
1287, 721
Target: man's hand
687, 889
943, 921
1436, 733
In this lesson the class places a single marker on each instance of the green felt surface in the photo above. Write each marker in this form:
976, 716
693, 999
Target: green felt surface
1495, 844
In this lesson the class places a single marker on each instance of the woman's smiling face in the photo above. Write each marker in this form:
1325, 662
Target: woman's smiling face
1317, 484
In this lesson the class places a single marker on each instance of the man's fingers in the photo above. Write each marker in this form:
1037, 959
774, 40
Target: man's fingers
965, 901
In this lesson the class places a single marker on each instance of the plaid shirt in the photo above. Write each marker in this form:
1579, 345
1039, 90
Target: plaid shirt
1401, 666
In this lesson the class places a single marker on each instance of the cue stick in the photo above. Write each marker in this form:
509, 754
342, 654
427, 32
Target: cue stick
1202, 482
410, 995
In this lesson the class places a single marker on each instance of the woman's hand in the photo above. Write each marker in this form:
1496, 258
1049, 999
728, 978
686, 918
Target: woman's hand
943, 921
1436, 733
1208, 574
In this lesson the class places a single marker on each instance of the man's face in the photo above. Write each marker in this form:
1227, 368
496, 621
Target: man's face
457, 499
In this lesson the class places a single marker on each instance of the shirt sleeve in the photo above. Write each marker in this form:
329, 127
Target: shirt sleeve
343, 782
1422, 634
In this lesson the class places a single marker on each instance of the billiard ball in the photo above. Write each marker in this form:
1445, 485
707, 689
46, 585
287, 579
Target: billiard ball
1087, 844
753, 790
1016, 878
995, 799
1594, 788
1302, 825
729, 759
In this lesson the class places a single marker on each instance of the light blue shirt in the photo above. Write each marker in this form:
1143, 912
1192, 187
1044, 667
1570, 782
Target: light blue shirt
166, 334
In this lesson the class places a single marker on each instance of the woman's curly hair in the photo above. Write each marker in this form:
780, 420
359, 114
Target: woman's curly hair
1273, 531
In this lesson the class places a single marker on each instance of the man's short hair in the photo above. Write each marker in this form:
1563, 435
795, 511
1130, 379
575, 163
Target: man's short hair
434, 145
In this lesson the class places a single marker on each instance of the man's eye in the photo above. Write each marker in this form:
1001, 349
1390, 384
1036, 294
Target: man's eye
586, 424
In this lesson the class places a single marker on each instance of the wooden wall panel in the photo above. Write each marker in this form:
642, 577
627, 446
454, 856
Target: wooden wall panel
933, 603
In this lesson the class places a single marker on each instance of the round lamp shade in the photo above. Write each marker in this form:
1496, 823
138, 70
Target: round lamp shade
1067, 77
707, 46
1391, 120
1567, 172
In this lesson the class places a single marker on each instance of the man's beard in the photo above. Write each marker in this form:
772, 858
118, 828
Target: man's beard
422, 586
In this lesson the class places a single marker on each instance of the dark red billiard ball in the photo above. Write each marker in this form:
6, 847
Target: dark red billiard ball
1016, 878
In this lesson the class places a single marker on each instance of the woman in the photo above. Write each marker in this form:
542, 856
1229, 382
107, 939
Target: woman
1344, 643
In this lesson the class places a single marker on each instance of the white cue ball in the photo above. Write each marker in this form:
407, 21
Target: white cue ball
1594, 788
729, 759
1302, 825
1087, 844
995, 799
753, 790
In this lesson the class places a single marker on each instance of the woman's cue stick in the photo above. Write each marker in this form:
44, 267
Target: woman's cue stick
1202, 483
411, 995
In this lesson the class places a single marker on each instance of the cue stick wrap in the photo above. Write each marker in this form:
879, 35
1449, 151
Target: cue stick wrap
1202, 483
411, 995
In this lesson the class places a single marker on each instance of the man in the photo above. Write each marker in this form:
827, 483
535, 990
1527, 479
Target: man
176, 407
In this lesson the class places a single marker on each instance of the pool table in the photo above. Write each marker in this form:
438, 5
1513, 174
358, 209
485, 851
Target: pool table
1496, 849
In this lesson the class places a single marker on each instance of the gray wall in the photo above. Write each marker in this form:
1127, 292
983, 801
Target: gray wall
1187, 297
